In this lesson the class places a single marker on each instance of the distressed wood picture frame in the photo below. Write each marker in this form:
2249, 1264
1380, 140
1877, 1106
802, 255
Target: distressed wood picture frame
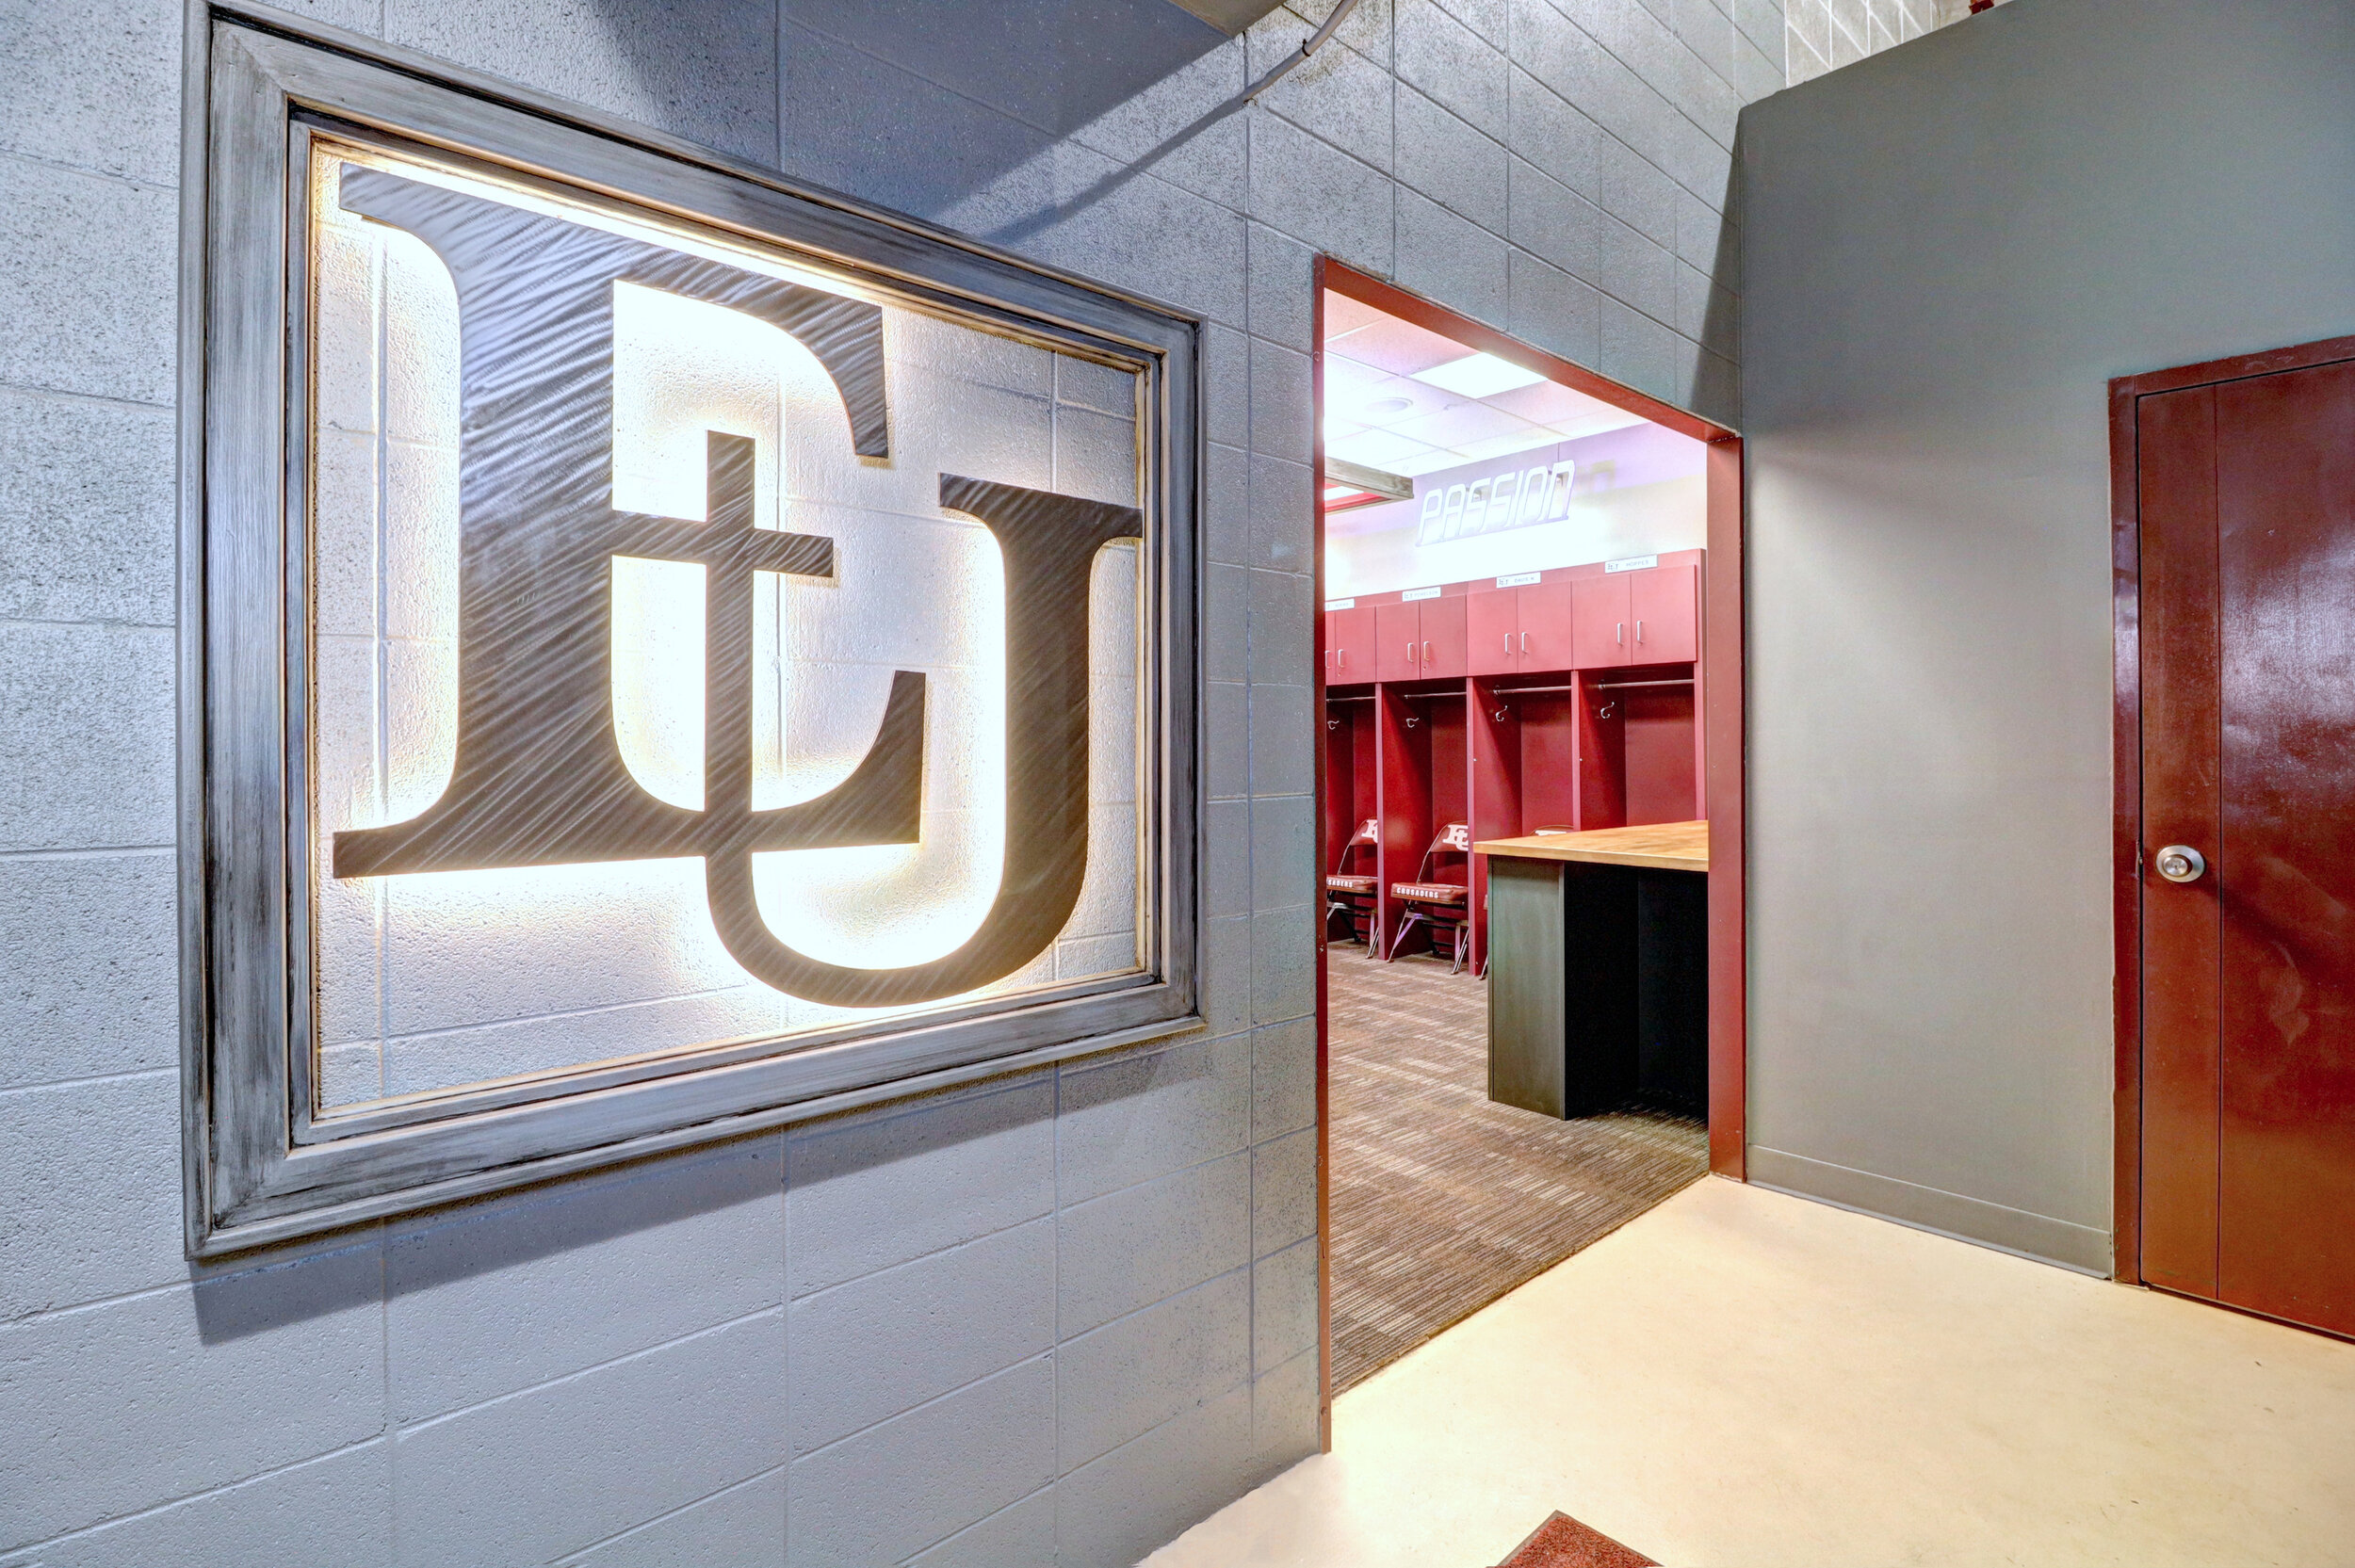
264, 1160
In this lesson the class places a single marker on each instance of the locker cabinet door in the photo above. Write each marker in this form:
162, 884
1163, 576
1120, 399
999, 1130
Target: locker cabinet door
1544, 641
1601, 632
1397, 642
1349, 647
1443, 631
1664, 602
1492, 622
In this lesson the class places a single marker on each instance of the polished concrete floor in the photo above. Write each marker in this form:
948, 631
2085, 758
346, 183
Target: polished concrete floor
1739, 1378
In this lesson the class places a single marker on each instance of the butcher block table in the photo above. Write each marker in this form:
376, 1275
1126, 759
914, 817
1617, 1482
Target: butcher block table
1599, 968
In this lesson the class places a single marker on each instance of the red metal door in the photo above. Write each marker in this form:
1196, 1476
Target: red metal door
1664, 606
2247, 509
1493, 621
1443, 637
1397, 642
1545, 639
1600, 613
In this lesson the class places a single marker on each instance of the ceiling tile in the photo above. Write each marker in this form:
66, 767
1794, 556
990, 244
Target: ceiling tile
1385, 402
1381, 449
1429, 461
1463, 422
1399, 347
1549, 401
1534, 438
1344, 315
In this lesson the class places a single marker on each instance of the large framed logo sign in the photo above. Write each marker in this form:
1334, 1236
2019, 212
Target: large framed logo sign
668, 653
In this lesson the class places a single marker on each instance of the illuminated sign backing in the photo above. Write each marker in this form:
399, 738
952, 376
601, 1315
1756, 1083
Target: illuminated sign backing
737, 654
1516, 498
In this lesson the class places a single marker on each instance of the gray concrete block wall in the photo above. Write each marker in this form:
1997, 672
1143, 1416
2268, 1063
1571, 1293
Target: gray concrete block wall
1052, 1319
1823, 35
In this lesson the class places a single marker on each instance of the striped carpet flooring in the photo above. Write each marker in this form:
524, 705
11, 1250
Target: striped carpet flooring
1442, 1200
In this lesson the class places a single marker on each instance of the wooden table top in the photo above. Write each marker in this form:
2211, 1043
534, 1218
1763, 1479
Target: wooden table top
1660, 847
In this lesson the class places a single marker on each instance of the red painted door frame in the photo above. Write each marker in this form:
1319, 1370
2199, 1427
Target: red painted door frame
2127, 799
1721, 733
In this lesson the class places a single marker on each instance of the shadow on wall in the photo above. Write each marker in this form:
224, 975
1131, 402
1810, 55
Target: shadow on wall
1058, 65
773, 83
1717, 381
257, 1292
253, 1293
705, 70
1057, 103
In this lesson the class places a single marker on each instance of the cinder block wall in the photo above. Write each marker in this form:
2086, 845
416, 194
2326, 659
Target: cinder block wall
1054, 1319
1823, 35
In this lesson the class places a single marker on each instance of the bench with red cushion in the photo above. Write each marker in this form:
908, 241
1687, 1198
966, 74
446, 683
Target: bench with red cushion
1428, 893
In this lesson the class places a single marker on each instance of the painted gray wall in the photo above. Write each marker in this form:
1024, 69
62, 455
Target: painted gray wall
1054, 1319
1953, 247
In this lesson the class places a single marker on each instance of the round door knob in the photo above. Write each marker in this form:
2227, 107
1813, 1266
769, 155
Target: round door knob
2181, 863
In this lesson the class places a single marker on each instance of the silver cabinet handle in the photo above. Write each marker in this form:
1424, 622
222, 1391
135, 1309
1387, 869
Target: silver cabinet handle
1639, 630
2181, 863
1410, 653
1508, 642
1340, 659
1524, 643
1620, 635
1427, 653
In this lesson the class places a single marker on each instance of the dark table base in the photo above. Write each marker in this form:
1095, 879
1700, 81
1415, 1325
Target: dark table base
1597, 985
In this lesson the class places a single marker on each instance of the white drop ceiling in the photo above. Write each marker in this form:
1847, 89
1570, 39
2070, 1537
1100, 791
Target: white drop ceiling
1376, 412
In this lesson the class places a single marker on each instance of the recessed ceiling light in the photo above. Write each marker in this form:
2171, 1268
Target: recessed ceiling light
1478, 376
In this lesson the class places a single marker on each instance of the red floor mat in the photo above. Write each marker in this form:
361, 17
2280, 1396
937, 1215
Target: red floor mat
1561, 1541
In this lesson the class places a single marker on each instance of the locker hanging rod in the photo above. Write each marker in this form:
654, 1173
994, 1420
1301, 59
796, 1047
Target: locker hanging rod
1329, 701
1502, 692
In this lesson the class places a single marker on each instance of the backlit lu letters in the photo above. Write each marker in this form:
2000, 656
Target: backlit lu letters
540, 776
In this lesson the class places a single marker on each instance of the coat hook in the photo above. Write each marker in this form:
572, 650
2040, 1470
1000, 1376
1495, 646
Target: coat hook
1501, 715
1413, 720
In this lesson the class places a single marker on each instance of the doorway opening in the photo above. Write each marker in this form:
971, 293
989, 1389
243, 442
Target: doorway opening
1528, 788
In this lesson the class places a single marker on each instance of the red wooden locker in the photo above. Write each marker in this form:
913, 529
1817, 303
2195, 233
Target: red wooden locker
1402, 765
1666, 604
1443, 631
1601, 613
1349, 645
1602, 767
1493, 626
1397, 642
1545, 639
1493, 786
